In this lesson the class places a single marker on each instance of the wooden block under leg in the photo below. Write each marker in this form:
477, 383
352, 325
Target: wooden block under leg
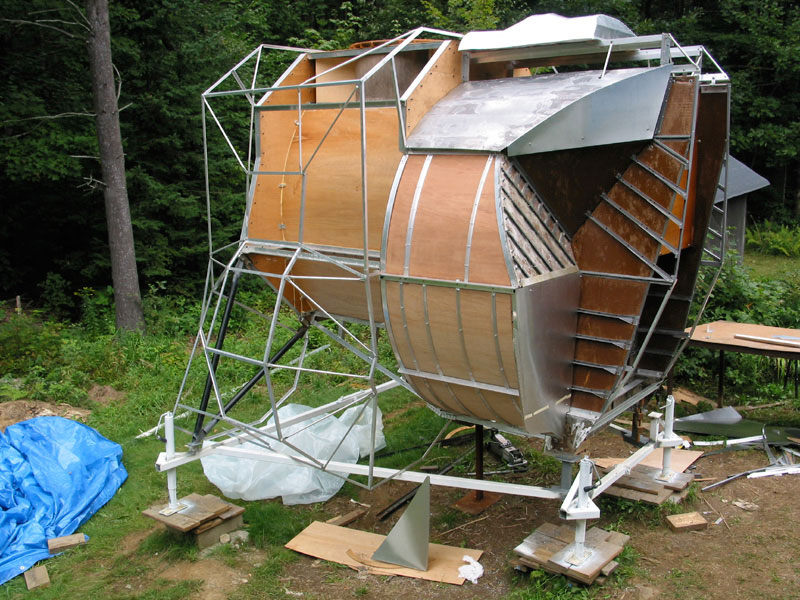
687, 521
37, 577
210, 537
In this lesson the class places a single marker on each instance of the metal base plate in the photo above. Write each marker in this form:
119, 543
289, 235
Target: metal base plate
474, 506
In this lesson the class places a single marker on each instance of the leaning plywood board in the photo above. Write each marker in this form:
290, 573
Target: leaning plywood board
354, 548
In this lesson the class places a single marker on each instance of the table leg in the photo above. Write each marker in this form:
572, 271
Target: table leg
720, 389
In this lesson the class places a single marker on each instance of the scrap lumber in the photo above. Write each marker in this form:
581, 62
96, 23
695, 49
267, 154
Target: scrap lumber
681, 459
546, 548
687, 522
199, 509
643, 485
37, 577
208, 533
342, 520
65, 542
355, 548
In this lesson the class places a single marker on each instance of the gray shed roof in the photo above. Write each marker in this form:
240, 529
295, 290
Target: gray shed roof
741, 179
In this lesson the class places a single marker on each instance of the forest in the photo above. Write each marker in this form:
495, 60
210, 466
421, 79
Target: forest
54, 250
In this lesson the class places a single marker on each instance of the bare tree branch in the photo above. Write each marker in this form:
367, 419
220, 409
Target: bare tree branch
81, 14
21, 22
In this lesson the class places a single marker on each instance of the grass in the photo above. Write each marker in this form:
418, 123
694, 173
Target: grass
766, 266
59, 362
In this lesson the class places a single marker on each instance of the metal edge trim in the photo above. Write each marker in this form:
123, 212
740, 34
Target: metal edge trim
413, 211
474, 215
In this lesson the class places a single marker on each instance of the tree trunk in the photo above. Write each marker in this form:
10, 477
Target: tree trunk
127, 298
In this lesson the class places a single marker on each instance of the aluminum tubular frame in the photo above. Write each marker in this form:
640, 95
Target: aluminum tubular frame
221, 271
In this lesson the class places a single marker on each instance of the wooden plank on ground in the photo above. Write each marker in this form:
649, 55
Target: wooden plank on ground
342, 520
37, 577
658, 499
199, 509
687, 522
65, 542
681, 459
233, 512
340, 544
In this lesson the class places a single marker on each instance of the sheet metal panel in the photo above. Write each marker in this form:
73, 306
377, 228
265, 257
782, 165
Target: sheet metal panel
544, 344
546, 29
546, 112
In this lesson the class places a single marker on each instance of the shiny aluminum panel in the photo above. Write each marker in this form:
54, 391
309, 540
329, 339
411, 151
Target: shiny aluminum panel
545, 112
547, 28
544, 345
624, 112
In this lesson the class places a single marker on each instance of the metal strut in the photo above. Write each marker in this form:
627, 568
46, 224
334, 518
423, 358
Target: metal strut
223, 330
197, 439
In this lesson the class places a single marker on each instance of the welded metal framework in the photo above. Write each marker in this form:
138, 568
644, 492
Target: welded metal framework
216, 429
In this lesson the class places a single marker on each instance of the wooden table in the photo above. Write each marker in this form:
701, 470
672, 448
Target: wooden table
777, 342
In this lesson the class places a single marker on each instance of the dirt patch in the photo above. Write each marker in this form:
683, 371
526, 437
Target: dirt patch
22, 410
131, 542
105, 394
218, 579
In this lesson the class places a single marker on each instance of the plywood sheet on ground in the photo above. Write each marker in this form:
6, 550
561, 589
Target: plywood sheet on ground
354, 548
681, 459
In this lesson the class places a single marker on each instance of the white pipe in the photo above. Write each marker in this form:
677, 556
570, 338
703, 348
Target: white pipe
172, 474
669, 418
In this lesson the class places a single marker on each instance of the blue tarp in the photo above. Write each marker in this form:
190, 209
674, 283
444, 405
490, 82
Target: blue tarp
54, 475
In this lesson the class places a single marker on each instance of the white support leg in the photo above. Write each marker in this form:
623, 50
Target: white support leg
667, 440
172, 474
666, 471
579, 507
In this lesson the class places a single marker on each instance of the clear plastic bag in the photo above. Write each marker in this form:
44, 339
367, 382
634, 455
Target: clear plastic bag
257, 480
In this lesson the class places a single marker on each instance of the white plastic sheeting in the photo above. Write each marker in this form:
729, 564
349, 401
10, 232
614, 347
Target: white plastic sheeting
257, 480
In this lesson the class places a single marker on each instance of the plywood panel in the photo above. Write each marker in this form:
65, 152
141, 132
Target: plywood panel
417, 329
302, 71
437, 81
443, 315
604, 327
277, 265
595, 250
626, 199
599, 352
476, 316
340, 544
621, 296
394, 254
333, 211
487, 264
677, 119
336, 93
441, 221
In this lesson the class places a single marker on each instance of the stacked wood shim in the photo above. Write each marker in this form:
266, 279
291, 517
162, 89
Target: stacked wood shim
545, 548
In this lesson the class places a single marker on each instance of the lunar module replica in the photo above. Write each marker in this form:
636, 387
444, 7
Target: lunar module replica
523, 214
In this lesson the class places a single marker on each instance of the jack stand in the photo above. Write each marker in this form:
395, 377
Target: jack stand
578, 507
172, 474
666, 439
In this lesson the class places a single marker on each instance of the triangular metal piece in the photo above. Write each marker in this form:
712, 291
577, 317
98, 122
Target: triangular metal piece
407, 542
